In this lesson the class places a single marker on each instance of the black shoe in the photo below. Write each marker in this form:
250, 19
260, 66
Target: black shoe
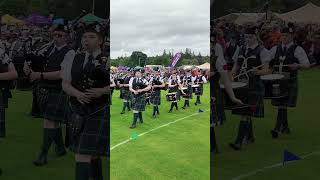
158, 112
195, 104
129, 109
132, 126
170, 111
42, 160
236, 147
122, 112
286, 131
183, 107
274, 134
61, 152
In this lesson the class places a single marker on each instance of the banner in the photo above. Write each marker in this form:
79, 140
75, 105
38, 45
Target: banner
175, 59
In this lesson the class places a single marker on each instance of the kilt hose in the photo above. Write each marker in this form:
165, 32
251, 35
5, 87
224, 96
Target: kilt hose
89, 133
155, 97
139, 102
53, 104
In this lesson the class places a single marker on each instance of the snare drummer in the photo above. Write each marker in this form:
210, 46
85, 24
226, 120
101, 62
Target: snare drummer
126, 93
199, 79
187, 83
157, 84
247, 59
174, 84
218, 71
138, 86
294, 58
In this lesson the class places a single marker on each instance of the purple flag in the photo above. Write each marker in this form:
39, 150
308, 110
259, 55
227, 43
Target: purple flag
175, 59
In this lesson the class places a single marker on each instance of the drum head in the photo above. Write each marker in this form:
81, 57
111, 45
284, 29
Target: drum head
272, 77
235, 85
196, 85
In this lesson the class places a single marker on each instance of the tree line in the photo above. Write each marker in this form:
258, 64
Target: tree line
138, 58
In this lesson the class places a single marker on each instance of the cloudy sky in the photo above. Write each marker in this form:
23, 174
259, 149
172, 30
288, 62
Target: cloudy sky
151, 26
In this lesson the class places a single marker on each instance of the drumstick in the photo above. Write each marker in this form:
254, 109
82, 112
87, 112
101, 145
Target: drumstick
253, 69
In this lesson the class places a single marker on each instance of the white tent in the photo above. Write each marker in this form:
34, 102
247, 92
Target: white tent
204, 66
309, 13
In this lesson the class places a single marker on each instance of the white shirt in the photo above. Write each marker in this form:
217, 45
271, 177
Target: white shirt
221, 62
67, 63
264, 54
143, 80
194, 79
299, 53
170, 81
160, 79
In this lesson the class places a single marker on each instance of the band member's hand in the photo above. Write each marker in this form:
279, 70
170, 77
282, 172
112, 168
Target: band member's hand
83, 98
95, 92
213, 99
293, 66
237, 101
35, 75
136, 92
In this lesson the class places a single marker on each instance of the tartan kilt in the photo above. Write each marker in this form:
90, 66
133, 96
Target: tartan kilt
255, 99
190, 91
53, 104
139, 102
155, 97
218, 111
93, 139
2, 116
178, 93
200, 93
126, 94
292, 98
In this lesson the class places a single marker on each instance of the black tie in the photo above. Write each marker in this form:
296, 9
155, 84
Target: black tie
87, 68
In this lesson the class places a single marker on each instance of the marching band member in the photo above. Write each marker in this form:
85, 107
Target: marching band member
51, 99
126, 93
174, 86
157, 84
187, 83
252, 59
295, 58
138, 86
89, 112
199, 79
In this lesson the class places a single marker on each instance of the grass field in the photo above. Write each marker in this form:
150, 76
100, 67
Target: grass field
177, 151
304, 139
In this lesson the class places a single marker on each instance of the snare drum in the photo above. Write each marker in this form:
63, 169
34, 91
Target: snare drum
196, 88
275, 86
185, 93
240, 90
172, 97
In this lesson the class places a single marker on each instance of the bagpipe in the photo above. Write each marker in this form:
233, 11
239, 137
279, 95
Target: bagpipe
139, 85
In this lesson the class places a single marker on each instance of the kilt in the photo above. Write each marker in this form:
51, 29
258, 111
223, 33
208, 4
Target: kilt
155, 97
218, 112
200, 93
291, 99
178, 93
139, 102
190, 91
93, 136
53, 104
126, 94
255, 99
2, 116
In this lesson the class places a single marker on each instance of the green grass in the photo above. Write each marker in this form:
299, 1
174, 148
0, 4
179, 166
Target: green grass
304, 139
177, 151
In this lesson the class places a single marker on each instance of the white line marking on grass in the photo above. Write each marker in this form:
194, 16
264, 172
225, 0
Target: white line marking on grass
164, 125
270, 167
